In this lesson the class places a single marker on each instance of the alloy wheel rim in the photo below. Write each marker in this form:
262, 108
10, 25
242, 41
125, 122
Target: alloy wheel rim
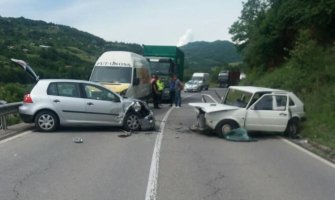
46, 122
133, 122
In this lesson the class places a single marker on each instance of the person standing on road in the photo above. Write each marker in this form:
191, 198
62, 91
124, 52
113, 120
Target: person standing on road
178, 87
172, 90
160, 86
155, 91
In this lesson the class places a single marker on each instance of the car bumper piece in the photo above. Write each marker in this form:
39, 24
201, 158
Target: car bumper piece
27, 118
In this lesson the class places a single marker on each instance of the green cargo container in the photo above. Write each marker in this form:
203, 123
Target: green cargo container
169, 58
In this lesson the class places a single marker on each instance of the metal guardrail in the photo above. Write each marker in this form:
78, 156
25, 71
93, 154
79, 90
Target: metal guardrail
6, 109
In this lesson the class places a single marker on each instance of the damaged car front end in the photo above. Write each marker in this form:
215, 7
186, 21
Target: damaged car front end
137, 116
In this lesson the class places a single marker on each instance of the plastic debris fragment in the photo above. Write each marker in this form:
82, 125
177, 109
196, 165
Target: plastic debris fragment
78, 140
239, 135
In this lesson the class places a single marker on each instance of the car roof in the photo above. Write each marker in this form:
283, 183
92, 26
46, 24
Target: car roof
255, 89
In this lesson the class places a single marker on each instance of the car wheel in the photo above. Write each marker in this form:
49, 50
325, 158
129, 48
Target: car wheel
225, 127
292, 128
46, 121
132, 122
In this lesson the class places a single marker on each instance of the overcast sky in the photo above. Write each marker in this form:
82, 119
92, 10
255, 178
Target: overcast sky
155, 22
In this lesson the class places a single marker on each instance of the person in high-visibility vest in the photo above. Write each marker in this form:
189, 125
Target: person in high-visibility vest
160, 87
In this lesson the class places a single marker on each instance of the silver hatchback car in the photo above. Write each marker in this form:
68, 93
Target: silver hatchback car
61, 102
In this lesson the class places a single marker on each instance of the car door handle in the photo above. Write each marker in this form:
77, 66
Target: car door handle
56, 101
90, 103
283, 114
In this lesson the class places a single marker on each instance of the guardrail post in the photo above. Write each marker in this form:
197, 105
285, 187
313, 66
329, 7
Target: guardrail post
3, 123
6, 109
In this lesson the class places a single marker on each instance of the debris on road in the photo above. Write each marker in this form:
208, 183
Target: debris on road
125, 134
238, 135
78, 140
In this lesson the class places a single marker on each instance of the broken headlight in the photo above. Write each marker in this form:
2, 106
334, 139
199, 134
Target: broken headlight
137, 106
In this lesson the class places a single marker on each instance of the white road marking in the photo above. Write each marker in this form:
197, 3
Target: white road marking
309, 153
153, 175
15, 137
152, 186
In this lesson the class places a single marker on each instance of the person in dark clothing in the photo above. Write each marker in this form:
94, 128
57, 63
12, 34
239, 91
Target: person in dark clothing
172, 90
179, 87
155, 92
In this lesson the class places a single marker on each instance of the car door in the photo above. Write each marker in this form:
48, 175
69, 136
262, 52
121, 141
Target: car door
269, 113
66, 99
103, 107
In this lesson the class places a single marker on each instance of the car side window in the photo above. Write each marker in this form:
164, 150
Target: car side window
98, 93
280, 103
291, 102
265, 103
52, 89
63, 89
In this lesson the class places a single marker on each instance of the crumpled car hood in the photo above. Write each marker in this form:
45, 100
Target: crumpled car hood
213, 107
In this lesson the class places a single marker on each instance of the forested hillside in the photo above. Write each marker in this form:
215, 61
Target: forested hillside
202, 56
53, 50
289, 44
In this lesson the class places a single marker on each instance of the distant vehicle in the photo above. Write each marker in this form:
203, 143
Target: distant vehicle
164, 62
62, 102
192, 86
123, 72
227, 78
202, 79
243, 76
2, 102
255, 109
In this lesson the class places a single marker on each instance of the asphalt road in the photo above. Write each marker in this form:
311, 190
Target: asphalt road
111, 165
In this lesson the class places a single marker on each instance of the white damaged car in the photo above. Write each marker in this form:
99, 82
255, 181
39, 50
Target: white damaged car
252, 108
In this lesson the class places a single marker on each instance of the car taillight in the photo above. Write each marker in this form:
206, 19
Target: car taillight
27, 99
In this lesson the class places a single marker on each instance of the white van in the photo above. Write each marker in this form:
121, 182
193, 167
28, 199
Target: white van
123, 72
202, 79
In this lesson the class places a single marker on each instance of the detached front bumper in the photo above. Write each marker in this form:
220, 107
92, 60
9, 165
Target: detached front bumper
148, 122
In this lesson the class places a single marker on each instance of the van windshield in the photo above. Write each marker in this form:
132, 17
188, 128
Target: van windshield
197, 78
111, 74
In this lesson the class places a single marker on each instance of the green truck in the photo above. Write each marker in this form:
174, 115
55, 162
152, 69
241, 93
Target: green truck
164, 62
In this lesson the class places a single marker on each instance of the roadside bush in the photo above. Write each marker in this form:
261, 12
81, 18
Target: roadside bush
13, 92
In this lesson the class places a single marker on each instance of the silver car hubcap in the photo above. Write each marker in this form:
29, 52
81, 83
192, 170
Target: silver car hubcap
226, 128
46, 122
133, 122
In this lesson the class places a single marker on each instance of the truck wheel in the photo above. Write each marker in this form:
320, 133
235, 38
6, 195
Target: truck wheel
132, 122
46, 121
225, 127
292, 128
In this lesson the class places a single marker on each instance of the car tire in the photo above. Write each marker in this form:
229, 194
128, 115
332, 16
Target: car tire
225, 127
132, 122
292, 128
46, 121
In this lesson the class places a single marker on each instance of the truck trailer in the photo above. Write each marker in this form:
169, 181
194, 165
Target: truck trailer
227, 78
165, 61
